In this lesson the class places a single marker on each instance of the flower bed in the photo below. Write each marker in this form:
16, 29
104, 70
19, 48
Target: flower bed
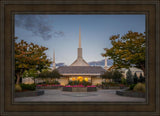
45, 86
79, 88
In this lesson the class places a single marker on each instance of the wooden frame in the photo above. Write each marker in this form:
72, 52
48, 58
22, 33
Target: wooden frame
149, 7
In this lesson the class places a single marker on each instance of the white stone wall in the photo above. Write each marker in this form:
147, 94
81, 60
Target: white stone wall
96, 80
63, 80
28, 80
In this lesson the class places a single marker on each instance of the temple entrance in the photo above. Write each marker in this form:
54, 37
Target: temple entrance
74, 78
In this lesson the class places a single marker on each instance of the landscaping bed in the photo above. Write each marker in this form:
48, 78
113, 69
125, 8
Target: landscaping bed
130, 93
29, 93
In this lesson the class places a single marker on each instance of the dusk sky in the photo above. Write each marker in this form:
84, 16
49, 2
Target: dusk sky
61, 32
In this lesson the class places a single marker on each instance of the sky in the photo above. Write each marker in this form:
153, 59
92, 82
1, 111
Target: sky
61, 33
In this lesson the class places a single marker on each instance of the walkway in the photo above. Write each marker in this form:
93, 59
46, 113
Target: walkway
100, 96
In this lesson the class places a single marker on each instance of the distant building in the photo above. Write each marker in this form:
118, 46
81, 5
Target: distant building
134, 70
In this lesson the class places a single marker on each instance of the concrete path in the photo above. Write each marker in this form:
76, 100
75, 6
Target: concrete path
61, 96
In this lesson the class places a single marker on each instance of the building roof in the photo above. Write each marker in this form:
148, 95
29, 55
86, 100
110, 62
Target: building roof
81, 70
79, 62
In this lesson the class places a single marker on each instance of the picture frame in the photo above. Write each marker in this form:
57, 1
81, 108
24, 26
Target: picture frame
149, 8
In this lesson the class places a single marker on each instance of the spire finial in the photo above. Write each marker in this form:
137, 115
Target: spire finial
79, 37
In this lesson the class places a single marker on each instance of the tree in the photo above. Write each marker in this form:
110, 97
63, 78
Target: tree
141, 78
29, 56
127, 50
107, 75
135, 78
46, 74
117, 76
129, 77
55, 74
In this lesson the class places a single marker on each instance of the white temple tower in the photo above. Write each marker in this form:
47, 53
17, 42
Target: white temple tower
54, 64
79, 61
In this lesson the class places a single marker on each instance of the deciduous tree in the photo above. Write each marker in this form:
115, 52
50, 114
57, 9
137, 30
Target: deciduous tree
29, 56
127, 50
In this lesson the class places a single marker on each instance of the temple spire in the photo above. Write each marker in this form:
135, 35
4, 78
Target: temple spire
79, 37
54, 64
105, 66
79, 61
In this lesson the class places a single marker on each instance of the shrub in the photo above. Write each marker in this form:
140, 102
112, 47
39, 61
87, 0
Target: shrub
47, 81
112, 84
132, 86
18, 87
123, 81
28, 86
56, 82
70, 83
140, 87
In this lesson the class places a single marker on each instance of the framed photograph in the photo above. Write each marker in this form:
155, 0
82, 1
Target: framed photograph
80, 57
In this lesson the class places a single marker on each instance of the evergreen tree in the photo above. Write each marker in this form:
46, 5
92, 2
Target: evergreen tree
129, 77
135, 78
141, 78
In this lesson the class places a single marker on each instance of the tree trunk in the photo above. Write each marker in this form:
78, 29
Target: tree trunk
18, 78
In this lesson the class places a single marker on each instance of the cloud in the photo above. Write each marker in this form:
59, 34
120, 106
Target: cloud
39, 25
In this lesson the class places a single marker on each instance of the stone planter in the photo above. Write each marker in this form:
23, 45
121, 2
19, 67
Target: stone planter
103, 87
79, 89
29, 93
130, 93
89, 89
67, 89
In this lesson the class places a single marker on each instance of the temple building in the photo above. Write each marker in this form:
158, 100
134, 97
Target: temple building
80, 68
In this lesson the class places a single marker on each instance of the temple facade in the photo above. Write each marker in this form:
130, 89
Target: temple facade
80, 68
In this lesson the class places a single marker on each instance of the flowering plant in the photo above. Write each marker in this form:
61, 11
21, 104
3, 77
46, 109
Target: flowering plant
48, 85
80, 86
91, 86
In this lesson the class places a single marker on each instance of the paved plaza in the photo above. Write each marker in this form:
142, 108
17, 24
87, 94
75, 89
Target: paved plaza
61, 96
